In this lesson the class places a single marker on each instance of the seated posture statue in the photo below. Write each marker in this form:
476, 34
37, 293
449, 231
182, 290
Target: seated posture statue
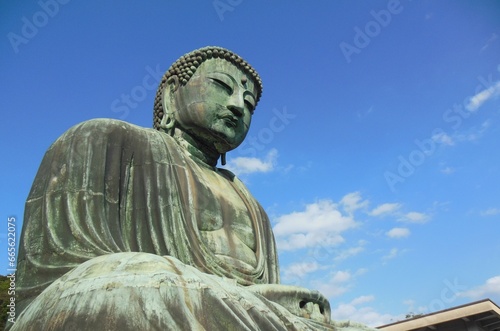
131, 228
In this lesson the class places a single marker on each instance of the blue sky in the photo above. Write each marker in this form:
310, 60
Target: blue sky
374, 148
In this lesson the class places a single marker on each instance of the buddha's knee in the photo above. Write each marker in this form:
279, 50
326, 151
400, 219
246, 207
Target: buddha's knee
122, 291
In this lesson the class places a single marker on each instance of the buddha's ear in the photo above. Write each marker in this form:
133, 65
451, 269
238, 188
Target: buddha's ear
168, 102
168, 93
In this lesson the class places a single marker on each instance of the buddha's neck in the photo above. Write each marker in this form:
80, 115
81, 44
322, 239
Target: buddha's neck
198, 150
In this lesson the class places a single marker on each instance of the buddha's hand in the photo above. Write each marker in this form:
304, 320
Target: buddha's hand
299, 301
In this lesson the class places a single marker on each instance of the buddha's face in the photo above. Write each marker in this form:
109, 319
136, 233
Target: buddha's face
216, 104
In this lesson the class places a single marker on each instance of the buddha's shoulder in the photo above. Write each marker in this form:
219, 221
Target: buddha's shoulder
107, 128
109, 125
103, 133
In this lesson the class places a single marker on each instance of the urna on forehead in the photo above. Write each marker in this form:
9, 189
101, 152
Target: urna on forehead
185, 67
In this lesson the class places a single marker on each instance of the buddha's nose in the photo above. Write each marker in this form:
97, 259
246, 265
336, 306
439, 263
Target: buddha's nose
236, 104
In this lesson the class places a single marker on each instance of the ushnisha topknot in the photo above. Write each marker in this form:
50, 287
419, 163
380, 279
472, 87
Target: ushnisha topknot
187, 64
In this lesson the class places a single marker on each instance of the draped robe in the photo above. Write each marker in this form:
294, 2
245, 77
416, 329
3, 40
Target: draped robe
106, 189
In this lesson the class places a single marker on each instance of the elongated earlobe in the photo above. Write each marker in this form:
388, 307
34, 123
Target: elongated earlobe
223, 158
168, 120
168, 123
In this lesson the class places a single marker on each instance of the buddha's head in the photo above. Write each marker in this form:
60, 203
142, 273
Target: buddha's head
210, 93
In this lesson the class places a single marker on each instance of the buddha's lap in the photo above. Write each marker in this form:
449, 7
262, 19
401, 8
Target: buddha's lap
131, 291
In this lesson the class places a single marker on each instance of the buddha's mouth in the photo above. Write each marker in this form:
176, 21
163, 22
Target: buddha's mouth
230, 120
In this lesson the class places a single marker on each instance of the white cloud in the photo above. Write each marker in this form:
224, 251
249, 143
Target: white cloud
248, 165
447, 170
304, 240
443, 138
299, 270
490, 40
360, 271
362, 299
349, 252
414, 217
398, 233
410, 303
475, 133
352, 202
335, 285
355, 311
480, 98
321, 223
341, 277
393, 253
490, 212
320, 216
384, 209
490, 289
364, 113
470, 135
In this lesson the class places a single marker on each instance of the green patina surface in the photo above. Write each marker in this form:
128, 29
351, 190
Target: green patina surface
131, 228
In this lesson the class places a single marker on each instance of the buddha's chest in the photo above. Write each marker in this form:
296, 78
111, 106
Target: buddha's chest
224, 212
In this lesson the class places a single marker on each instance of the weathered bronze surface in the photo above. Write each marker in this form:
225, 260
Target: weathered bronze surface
130, 228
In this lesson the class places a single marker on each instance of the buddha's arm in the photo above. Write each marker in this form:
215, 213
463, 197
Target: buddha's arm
72, 212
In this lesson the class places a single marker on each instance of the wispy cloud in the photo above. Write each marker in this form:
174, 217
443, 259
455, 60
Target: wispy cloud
350, 252
319, 224
352, 202
364, 113
398, 233
299, 270
414, 217
392, 254
490, 40
248, 165
385, 209
357, 311
362, 299
490, 289
447, 170
474, 133
335, 284
444, 139
480, 98
490, 212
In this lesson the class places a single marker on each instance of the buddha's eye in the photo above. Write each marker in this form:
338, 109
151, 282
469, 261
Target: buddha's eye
222, 84
250, 106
